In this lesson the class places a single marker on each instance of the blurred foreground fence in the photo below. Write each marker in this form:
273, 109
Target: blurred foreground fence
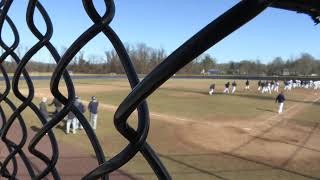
314, 78
215, 31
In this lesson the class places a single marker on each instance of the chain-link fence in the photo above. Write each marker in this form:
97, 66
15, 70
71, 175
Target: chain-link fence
215, 31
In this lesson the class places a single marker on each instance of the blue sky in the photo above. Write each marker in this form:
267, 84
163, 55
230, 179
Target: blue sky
167, 24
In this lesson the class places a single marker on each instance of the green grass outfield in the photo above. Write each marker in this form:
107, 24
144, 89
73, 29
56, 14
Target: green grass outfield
187, 100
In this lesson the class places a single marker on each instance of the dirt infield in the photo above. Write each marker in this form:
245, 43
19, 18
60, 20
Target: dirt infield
274, 141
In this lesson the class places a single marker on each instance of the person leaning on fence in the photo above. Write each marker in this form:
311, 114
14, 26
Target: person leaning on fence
280, 99
211, 88
93, 109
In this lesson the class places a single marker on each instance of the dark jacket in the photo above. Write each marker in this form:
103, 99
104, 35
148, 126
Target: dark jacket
93, 107
43, 109
56, 104
234, 84
227, 85
247, 82
280, 98
212, 86
80, 107
71, 115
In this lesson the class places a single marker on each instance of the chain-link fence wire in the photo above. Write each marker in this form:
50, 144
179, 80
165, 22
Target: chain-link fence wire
215, 31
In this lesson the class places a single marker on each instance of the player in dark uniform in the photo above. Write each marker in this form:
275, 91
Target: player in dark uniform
263, 87
247, 85
259, 85
280, 100
57, 104
226, 89
212, 88
234, 87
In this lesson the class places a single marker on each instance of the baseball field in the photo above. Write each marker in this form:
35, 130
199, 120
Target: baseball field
198, 136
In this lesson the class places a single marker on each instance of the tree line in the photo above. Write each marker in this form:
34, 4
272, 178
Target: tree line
145, 58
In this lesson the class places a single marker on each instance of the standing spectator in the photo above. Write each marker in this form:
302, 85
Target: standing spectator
93, 109
234, 87
211, 89
280, 99
43, 108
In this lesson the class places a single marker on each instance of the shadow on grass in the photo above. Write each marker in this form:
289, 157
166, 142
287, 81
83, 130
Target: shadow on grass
59, 126
263, 109
62, 126
191, 166
266, 166
35, 128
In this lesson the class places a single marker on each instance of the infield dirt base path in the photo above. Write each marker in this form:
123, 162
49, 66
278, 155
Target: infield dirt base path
73, 162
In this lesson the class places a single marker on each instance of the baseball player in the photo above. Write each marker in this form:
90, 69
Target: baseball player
263, 87
234, 87
81, 108
280, 100
259, 85
294, 85
272, 85
299, 83
57, 104
286, 85
316, 85
247, 85
43, 108
212, 88
276, 86
71, 120
93, 109
226, 89
269, 87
